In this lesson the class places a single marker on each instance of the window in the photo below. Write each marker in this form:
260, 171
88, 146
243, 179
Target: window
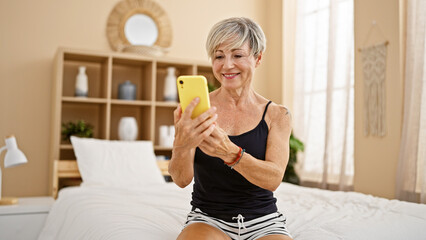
324, 90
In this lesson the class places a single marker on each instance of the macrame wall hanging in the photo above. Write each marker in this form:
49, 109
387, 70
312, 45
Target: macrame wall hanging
374, 72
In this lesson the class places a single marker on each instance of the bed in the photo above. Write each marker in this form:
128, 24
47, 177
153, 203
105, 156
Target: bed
154, 209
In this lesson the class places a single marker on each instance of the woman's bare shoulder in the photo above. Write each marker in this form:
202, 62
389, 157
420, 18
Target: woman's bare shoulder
279, 114
279, 110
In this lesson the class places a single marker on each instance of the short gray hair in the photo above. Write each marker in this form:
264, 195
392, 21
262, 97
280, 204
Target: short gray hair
241, 30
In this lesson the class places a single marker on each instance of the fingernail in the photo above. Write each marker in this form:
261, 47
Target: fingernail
214, 108
197, 99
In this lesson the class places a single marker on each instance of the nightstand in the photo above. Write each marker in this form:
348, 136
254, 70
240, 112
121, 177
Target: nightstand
24, 220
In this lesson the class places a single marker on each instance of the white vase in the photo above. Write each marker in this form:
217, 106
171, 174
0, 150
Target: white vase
81, 83
167, 135
170, 89
128, 129
164, 133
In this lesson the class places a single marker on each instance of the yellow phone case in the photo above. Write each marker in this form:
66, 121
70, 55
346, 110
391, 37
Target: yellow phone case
190, 87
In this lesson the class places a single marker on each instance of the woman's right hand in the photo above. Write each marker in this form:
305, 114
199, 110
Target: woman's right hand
189, 133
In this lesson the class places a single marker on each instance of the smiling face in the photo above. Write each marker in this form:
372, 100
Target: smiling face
234, 68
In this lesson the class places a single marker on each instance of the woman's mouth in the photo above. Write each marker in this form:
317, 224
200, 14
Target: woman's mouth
230, 75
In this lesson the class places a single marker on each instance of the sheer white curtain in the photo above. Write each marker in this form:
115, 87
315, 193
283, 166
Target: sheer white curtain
324, 92
411, 175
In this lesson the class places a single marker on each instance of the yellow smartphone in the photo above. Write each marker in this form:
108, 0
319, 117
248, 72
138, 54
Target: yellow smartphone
190, 87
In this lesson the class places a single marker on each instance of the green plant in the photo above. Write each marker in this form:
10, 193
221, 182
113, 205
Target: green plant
211, 87
290, 174
79, 129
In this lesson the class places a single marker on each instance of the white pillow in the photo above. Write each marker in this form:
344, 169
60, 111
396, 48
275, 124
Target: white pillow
116, 163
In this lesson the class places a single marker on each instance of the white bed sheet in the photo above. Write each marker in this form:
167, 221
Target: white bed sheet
159, 212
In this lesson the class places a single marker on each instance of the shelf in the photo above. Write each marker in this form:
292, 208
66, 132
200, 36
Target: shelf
67, 169
93, 113
163, 116
96, 71
166, 104
103, 109
138, 72
84, 56
66, 146
131, 102
142, 115
84, 100
66, 151
162, 148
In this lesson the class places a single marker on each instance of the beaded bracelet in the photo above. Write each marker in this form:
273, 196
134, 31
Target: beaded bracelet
237, 159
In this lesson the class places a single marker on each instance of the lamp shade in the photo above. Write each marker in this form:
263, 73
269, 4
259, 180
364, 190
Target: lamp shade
14, 156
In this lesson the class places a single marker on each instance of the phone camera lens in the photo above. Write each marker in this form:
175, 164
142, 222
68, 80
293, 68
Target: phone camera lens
181, 82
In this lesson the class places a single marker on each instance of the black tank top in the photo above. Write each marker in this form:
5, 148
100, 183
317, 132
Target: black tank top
224, 193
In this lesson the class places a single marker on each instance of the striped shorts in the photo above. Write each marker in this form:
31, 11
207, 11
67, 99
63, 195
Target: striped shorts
274, 223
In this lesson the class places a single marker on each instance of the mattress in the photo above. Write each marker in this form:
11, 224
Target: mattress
159, 212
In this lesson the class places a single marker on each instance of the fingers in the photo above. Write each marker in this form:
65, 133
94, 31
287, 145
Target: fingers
206, 145
204, 130
191, 132
209, 140
177, 114
207, 123
204, 116
190, 107
218, 133
208, 131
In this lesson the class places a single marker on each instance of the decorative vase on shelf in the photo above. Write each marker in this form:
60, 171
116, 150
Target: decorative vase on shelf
128, 129
81, 83
167, 135
170, 89
127, 91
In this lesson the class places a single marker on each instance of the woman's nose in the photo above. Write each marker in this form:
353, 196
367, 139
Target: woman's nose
229, 63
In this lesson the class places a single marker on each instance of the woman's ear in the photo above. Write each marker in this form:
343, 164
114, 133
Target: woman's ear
258, 59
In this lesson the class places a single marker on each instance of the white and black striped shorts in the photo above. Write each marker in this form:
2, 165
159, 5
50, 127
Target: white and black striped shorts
274, 223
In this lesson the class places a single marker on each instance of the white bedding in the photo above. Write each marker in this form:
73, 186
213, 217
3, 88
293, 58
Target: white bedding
159, 211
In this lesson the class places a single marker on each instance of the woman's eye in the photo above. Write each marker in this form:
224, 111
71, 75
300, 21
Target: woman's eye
238, 56
218, 57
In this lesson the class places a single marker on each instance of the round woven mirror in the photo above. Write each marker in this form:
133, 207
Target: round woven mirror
139, 26
132, 28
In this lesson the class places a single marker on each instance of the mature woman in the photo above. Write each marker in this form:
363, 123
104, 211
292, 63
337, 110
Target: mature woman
237, 151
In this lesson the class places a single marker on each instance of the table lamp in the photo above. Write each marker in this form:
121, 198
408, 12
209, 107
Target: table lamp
13, 157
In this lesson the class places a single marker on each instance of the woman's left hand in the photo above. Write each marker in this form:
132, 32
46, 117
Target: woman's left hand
219, 145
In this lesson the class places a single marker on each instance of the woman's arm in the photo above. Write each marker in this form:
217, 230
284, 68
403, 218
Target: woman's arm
188, 135
266, 174
181, 166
